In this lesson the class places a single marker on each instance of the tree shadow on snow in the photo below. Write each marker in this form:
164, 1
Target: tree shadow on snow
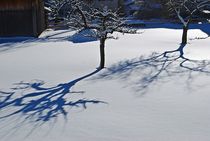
11, 43
149, 70
83, 36
34, 103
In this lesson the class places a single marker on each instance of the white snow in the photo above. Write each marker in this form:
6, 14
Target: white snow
206, 11
174, 107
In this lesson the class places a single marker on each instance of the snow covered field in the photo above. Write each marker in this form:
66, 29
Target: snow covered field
152, 89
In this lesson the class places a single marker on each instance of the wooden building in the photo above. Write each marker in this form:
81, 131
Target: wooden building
21, 18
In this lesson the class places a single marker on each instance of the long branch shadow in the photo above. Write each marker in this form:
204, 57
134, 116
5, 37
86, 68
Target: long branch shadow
12, 43
42, 104
157, 67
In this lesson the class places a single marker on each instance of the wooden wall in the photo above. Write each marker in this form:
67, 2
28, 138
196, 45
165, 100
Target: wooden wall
15, 4
21, 17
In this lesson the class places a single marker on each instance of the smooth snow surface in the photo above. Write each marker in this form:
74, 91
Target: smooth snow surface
50, 89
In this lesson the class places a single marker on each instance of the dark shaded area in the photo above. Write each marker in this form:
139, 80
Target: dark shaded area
36, 103
22, 18
15, 23
15, 40
86, 35
7, 44
12, 43
157, 68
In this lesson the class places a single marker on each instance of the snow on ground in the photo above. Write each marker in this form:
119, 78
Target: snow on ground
51, 90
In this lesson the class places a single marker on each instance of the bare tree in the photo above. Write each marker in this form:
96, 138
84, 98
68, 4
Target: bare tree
185, 10
105, 22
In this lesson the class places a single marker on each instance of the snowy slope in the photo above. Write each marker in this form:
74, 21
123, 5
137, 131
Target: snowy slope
50, 89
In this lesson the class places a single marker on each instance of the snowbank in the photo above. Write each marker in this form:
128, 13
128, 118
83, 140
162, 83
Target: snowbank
51, 90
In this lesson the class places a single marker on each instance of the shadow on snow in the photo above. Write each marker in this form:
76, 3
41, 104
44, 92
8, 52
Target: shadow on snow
156, 68
11, 43
42, 104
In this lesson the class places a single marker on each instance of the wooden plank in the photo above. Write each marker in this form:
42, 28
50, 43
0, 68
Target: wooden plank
15, 4
24, 22
34, 19
16, 22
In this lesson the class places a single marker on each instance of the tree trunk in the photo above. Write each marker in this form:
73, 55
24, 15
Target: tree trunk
184, 34
102, 53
